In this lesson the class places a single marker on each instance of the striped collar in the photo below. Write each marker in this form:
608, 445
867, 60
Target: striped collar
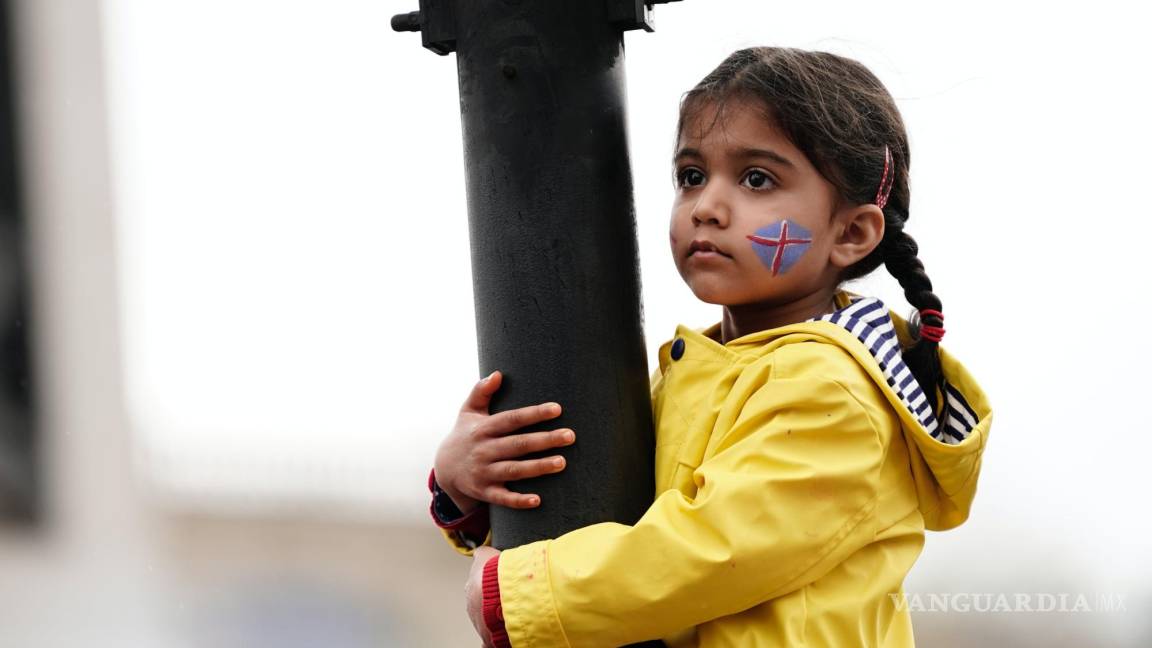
869, 321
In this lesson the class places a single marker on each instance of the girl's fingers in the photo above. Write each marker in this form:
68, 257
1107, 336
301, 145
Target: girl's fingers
504, 497
518, 445
512, 420
506, 471
481, 394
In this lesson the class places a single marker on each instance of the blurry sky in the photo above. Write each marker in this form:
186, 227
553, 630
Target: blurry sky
294, 257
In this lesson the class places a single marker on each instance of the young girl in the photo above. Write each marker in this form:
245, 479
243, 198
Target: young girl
804, 442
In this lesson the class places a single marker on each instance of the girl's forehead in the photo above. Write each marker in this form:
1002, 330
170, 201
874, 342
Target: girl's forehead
731, 124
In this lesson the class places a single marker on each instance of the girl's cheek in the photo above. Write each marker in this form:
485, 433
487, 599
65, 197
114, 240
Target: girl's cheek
780, 245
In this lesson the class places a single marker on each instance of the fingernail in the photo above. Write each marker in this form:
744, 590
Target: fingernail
533, 500
558, 462
568, 436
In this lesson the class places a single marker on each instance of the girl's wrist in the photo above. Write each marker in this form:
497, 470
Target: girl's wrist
463, 502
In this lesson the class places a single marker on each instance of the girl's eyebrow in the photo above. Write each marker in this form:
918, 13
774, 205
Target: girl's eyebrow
687, 153
743, 153
764, 153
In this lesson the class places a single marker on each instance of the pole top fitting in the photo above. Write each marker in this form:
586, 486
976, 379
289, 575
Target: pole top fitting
409, 22
634, 14
436, 21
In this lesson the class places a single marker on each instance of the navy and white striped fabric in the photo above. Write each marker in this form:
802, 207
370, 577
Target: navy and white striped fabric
867, 318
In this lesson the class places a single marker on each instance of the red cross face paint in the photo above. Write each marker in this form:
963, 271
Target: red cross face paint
780, 245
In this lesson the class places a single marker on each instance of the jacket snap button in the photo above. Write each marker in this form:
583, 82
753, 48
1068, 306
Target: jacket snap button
678, 348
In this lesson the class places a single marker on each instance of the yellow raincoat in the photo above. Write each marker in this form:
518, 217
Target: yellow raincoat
796, 470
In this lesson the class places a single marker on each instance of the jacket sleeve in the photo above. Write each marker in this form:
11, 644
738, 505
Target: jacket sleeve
788, 493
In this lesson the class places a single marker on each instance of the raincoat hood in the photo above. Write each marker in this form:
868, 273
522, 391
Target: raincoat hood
944, 453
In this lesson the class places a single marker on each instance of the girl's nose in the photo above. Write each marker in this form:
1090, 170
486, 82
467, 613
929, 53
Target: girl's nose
712, 208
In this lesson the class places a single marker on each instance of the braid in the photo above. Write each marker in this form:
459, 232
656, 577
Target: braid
923, 358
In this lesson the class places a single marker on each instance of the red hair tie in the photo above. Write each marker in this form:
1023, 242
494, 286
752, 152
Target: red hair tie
886, 180
929, 332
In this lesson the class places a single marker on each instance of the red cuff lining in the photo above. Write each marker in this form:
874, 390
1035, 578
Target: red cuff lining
493, 610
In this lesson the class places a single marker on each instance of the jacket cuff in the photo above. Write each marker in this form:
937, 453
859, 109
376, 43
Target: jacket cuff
530, 615
493, 613
473, 525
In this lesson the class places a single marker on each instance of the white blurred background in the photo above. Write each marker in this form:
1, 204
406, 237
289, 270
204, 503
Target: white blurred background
252, 281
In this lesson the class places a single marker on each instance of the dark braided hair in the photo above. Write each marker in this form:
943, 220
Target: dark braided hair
841, 117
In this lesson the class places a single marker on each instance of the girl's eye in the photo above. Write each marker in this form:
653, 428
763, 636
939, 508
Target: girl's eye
690, 177
755, 179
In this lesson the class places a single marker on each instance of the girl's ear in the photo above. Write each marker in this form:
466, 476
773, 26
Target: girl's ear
859, 230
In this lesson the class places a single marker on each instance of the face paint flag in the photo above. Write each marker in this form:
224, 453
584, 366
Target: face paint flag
780, 245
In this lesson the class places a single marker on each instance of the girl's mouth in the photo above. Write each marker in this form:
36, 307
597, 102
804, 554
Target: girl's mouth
703, 248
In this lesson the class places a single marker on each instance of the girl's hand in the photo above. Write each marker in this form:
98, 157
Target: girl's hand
478, 456
474, 592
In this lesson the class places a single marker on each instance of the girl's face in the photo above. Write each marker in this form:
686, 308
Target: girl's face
753, 220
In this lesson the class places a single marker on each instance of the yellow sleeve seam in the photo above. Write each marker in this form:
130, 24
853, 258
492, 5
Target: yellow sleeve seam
552, 595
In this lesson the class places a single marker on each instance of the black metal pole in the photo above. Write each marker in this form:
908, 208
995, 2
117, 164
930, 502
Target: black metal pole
21, 498
554, 258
